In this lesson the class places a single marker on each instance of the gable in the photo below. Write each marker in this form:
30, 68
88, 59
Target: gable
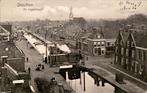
120, 39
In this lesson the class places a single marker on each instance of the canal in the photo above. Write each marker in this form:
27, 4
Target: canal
80, 81
83, 82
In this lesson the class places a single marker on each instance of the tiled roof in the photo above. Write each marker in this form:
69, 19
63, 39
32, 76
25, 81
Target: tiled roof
125, 35
140, 39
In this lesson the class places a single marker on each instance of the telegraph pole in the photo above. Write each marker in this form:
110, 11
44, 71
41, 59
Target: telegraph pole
46, 46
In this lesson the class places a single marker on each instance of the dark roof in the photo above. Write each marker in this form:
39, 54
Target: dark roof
13, 51
7, 27
110, 34
140, 39
86, 35
3, 30
125, 35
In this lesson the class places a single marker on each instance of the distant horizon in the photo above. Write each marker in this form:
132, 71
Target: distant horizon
25, 10
108, 19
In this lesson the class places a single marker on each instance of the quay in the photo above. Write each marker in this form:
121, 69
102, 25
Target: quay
47, 73
109, 78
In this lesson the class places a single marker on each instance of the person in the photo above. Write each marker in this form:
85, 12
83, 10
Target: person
53, 84
42, 66
29, 69
27, 59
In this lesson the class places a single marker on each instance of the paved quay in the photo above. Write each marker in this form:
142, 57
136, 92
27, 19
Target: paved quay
34, 58
108, 76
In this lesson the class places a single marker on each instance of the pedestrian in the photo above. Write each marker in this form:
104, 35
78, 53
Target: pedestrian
27, 59
53, 85
42, 66
29, 69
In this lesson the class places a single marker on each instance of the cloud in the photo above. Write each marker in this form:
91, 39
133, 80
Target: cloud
89, 9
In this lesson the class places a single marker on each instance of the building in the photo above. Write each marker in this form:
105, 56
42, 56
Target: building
12, 63
95, 43
16, 57
131, 51
4, 34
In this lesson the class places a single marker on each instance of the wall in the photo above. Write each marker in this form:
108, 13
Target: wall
16, 63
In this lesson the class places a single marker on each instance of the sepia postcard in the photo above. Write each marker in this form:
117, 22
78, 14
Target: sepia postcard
73, 46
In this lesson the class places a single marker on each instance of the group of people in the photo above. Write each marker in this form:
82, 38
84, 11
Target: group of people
39, 67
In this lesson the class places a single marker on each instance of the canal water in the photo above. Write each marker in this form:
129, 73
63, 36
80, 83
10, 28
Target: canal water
76, 81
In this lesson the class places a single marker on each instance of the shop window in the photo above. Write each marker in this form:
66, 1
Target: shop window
102, 52
95, 50
99, 51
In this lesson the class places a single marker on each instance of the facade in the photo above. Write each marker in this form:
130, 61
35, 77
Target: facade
130, 52
94, 43
4, 34
16, 57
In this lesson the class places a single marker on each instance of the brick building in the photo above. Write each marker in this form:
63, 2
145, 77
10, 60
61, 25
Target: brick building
16, 57
131, 51
12, 64
95, 43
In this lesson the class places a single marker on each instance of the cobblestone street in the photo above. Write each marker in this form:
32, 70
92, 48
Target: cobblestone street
34, 60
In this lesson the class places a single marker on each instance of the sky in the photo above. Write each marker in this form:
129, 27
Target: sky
19, 10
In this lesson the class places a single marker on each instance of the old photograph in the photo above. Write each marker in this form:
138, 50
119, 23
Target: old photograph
73, 46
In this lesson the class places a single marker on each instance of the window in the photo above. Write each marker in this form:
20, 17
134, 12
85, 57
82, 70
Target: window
128, 43
140, 54
99, 51
132, 44
95, 50
144, 56
127, 54
98, 43
133, 53
108, 43
102, 52
102, 43
121, 42
95, 43
122, 61
122, 51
